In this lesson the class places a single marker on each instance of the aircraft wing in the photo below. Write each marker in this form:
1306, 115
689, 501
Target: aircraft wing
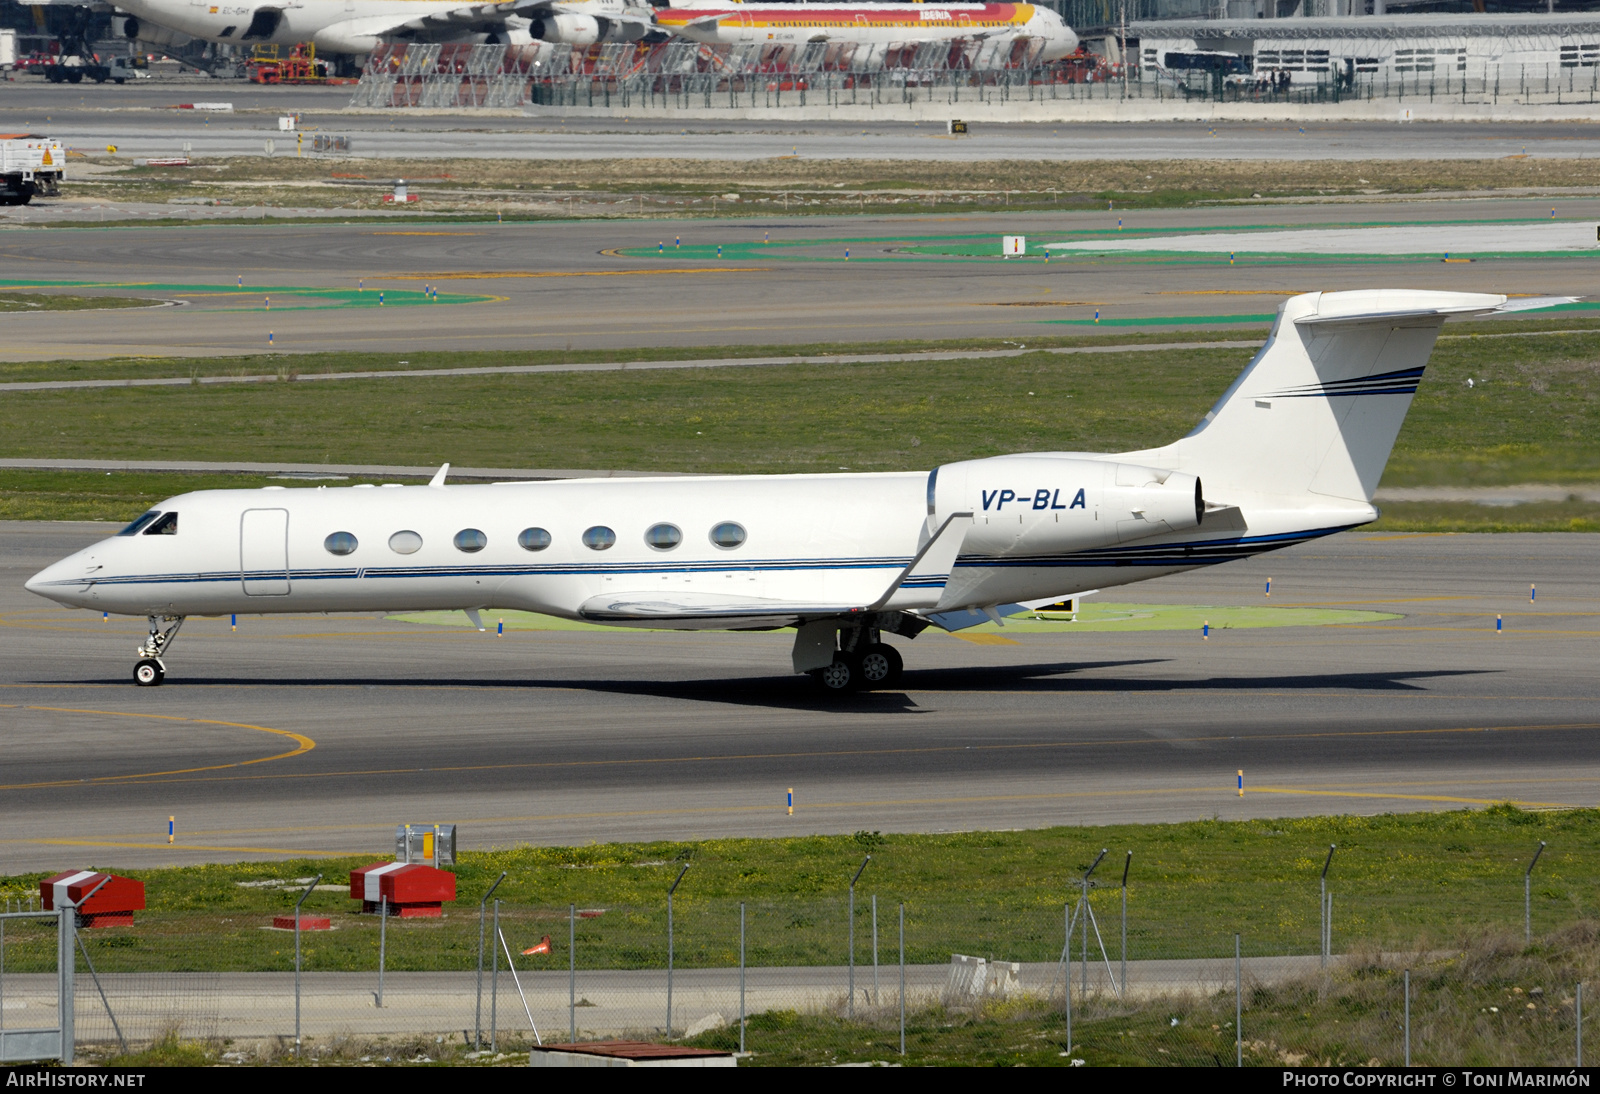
488, 18
919, 585
642, 607
707, 20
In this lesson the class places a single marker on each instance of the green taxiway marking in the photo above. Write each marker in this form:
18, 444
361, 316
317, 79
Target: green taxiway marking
984, 246
1092, 616
254, 297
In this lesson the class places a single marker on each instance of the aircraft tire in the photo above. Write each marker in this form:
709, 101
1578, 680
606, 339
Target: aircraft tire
149, 673
842, 676
880, 666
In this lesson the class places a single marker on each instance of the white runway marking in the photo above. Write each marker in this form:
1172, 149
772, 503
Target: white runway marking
1396, 240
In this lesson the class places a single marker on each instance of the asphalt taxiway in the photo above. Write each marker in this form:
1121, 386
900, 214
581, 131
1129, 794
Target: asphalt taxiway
620, 284
144, 119
306, 735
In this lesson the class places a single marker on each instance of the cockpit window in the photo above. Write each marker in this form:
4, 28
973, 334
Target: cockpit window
137, 526
166, 526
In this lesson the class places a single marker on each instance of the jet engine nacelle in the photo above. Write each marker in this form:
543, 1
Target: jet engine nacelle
135, 30
1048, 504
584, 30
357, 36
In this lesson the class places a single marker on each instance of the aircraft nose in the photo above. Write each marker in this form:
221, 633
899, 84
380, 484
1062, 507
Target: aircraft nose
55, 582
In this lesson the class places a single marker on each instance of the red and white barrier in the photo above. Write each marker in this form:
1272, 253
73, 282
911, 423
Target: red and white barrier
411, 888
112, 905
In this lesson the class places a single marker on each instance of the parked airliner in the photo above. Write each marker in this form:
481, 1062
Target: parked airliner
1292, 450
354, 28
716, 21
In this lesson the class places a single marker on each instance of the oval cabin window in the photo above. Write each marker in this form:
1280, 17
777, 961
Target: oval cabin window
405, 543
470, 540
533, 539
341, 543
728, 535
663, 537
599, 538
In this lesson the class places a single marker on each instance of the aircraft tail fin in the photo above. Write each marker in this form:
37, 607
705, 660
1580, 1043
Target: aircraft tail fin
1318, 409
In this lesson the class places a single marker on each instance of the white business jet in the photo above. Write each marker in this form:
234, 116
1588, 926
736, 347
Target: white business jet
1293, 450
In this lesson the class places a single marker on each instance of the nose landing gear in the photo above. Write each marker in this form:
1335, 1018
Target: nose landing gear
149, 671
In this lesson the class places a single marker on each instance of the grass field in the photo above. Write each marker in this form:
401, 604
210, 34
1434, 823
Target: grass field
1532, 414
1402, 881
36, 302
695, 188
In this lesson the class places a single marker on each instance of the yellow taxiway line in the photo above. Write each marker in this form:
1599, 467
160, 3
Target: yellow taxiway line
303, 744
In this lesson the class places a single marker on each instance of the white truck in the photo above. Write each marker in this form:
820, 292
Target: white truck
29, 165
8, 49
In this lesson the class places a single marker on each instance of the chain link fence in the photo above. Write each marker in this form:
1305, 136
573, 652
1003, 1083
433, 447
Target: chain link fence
690, 75
854, 976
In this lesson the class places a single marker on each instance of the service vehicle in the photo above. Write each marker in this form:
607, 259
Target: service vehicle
29, 165
74, 70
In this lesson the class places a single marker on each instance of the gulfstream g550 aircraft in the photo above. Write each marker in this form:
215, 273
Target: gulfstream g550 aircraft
1293, 450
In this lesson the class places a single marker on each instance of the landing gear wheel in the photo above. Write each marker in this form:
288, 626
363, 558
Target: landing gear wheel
149, 672
880, 666
839, 677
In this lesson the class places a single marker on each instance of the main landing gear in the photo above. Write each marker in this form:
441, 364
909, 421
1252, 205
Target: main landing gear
864, 662
148, 671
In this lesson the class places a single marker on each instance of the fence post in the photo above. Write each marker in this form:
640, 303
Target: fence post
66, 967
572, 973
477, 1014
670, 891
383, 940
874, 949
1579, 1001
1325, 940
850, 1005
297, 904
494, 988
1238, 1006
741, 976
1527, 897
1408, 1016
903, 986
1066, 979
1123, 979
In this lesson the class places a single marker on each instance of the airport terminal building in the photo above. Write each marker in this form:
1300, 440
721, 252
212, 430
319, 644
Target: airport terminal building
1473, 48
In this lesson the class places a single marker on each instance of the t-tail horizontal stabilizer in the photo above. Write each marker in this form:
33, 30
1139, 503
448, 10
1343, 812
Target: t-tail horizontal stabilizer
1310, 423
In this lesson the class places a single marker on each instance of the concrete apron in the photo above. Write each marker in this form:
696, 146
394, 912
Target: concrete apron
1089, 111
610, 1002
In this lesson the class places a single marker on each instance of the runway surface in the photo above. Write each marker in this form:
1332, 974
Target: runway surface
564, 284
317, 735
141, 120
